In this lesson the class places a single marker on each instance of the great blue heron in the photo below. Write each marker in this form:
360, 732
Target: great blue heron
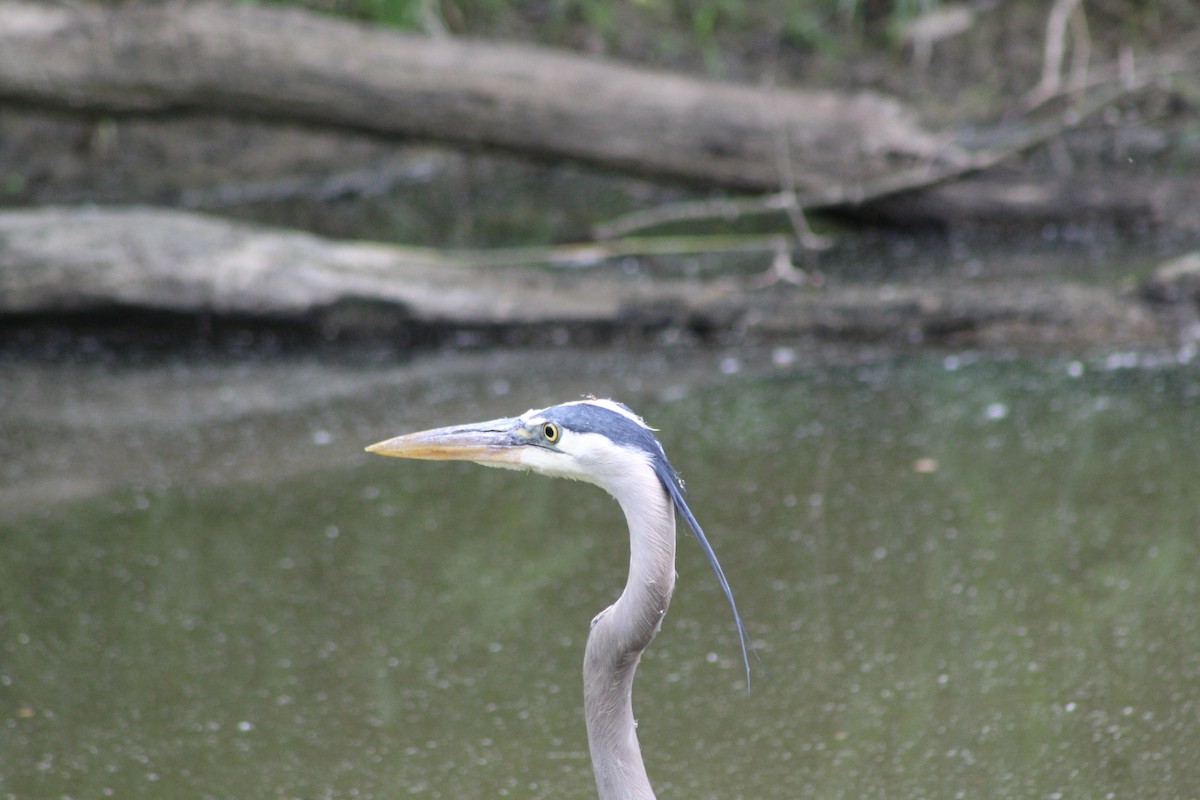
600, 442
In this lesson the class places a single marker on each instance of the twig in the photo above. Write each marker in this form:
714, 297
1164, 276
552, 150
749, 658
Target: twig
732, 209
1062, 14
782, 268
787, 178
588, 254
691, 210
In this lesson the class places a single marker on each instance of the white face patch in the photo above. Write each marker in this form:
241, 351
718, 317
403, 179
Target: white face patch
589, 457
584, 455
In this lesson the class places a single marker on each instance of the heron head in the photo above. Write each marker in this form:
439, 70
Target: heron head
597, 441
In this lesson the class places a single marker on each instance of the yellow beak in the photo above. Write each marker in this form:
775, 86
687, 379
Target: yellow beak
494, 442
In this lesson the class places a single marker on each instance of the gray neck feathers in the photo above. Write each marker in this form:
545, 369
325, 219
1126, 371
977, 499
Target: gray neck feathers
619, 635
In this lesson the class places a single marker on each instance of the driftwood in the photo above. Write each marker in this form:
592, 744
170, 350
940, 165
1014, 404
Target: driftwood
288, 65
57, 260
60, 261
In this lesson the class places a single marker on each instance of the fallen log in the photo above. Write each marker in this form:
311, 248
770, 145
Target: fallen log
288, 65
61, 261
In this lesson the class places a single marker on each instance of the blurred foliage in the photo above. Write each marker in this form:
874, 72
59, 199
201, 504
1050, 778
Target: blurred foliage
708, 32
817, 24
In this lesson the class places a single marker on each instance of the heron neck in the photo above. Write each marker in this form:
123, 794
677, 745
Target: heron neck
618, 637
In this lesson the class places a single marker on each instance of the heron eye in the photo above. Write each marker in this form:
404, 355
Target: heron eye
551, 432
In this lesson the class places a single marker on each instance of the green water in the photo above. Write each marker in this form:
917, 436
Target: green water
967, 577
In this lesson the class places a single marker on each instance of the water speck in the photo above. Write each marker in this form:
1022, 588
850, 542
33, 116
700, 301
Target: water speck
1075, 369
671, 394
1117, 361
245, 726
322, 437
730, 366
783, 356
996, 411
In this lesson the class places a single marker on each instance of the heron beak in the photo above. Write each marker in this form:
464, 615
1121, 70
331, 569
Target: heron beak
493, 443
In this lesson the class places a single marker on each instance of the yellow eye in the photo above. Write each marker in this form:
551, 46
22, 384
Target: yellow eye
551, 432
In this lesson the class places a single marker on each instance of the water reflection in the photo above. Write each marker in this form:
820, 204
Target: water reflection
967, 577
